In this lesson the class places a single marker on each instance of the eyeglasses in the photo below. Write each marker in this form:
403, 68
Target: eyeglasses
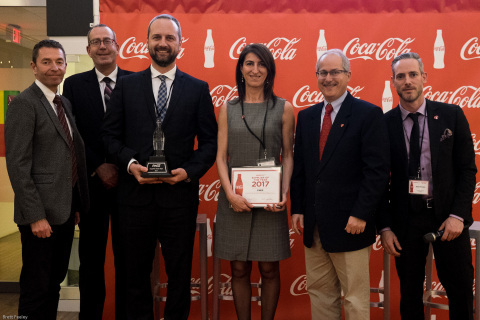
98, 42
333, 73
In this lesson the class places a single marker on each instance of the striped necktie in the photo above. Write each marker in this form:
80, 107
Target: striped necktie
63, 121
107, 93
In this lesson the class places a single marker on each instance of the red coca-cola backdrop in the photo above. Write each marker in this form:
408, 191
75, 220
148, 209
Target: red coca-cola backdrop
214, 33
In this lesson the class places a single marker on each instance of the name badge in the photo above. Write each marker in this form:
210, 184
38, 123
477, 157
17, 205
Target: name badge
418, 187
267, 162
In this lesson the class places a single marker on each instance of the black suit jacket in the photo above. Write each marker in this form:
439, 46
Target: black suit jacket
453, 168
348, 181
83, 91
128, 130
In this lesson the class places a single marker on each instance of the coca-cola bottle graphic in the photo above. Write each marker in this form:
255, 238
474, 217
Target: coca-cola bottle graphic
209, 50
239, 185
439, 51
381, 284
209, 238
321, 44
387, 98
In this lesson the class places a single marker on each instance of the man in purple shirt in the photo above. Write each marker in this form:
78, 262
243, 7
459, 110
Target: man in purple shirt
431, 189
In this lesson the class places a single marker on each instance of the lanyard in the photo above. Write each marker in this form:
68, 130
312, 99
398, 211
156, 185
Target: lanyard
262, 141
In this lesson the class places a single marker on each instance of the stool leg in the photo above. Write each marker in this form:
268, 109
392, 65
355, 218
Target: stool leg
203, 271
386, 286
216, 280
156, 282
428, 282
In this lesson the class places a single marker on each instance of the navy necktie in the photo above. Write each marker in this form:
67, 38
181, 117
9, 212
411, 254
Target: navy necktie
162, 99
414, 158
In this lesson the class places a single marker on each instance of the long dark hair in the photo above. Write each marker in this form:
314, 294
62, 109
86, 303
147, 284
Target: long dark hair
262, 52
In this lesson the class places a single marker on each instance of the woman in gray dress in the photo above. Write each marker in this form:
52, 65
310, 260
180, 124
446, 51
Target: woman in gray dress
255, 126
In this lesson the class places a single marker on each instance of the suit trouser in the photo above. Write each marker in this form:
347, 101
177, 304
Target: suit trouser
140, 227
45, 265
94, 226
330, 273
453, 260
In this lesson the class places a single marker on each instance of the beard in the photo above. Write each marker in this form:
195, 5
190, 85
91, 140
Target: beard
410, 97
163, 61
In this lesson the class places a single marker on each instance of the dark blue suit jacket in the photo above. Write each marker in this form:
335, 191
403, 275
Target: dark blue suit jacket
348, 181
83, 91
453, 168
128, 130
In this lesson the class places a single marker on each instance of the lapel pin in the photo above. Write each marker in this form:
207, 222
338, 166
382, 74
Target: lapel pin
341, 126
436, 117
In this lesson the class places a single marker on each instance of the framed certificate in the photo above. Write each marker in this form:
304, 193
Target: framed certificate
259, 185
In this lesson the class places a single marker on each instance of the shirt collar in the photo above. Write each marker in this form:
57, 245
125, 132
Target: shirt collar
405, 113
112, 76
169, 74
49, 94
337, 103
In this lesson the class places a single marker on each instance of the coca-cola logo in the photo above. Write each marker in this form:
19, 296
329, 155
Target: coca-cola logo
436, 286
209, 48
224, 291
387, 100
476, 195
378, 244
280, 47
299, 286
209, 192
130, 48
471, 49
476, 145
464, 96
386, 50
305, 97
292, 240
225, 278
223, 93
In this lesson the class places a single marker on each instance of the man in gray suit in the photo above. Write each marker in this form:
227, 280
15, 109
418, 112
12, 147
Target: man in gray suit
46, 164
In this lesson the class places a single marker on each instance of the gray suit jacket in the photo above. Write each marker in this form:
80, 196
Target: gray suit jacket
38, 160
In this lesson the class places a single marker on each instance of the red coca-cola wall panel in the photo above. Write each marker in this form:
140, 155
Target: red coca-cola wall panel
287, 6
447, 41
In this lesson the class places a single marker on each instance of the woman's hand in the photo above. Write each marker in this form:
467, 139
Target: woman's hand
278, 206
239, 203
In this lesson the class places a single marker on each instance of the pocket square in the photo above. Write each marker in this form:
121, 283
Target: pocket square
446, 135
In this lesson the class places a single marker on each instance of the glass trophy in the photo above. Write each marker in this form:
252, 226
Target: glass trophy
157, 164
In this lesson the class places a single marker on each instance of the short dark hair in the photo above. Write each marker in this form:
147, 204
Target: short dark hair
47, 43
264, 54
103, 26
168, 17
408, 55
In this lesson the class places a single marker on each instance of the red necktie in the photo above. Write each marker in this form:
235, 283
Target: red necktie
326, 126
63, 121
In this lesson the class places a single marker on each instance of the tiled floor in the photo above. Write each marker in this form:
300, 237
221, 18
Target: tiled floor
9, 306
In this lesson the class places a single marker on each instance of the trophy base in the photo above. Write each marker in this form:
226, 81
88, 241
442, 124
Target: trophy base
157, 167
156, 174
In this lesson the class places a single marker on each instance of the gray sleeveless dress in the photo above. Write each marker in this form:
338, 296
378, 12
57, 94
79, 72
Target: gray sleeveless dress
259, 235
